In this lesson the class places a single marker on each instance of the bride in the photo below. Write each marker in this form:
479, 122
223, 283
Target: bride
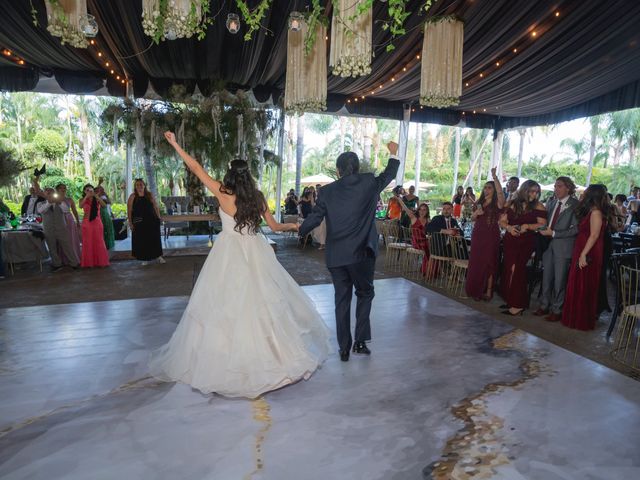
248, 328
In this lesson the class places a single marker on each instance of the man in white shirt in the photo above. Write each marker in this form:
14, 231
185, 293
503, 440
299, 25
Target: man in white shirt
562, 229
53, 210
30, 202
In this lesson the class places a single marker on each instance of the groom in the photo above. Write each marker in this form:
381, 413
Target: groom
349, 207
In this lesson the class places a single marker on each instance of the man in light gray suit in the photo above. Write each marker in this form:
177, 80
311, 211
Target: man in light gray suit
55, 229
562, 229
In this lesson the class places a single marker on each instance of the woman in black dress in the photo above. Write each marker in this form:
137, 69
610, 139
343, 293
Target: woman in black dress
144, 221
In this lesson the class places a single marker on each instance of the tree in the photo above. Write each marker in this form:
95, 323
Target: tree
50, 145
577, 148
523, 134
593, 131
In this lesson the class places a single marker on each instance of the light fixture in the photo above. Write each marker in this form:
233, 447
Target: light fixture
557, 14
233, 23
92, 42
404, 69
515, 50
534, 33
112, 72
363, 97
88, 25
106, 64
372, 92
393, 79
497, 64
466, 84
380, 86
21, 62
481, 75
118, 77
296, 20
170, 34
122, 80
418, 56
7, 52
99, 54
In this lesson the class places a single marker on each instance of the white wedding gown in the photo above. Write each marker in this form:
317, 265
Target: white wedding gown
248, 328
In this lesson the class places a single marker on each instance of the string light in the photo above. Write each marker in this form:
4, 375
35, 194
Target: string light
7, 52
21, 62
534, 33
557, 14
99, 54
515, 50
497, 64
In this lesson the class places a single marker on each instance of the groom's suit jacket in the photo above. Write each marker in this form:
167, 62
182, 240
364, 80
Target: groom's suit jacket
349, 207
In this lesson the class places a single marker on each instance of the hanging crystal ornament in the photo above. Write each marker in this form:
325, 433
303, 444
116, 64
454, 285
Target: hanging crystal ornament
233, 23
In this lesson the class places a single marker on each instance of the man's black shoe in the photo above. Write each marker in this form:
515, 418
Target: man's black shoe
344, 355
361, 348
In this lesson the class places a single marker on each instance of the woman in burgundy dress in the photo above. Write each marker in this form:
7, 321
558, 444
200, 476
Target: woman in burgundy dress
594, 212
485, 241
418, 231
523, 215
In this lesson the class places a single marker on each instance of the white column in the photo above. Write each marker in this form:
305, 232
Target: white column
496, 152
456, 162
418, 156
280, 165
403, 142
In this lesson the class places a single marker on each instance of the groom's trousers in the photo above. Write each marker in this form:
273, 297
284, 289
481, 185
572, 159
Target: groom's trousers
345, 278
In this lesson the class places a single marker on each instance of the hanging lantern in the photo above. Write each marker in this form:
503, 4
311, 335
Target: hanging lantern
233, 23
68, 20
296, 19
441, 79
172, 19
306, 81
351, 39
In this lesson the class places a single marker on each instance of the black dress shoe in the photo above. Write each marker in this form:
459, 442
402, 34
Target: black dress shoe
361, 348
503, 306
344, 355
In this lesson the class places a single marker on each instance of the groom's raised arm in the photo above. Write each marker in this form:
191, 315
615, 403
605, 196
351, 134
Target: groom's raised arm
389, 174
315, 217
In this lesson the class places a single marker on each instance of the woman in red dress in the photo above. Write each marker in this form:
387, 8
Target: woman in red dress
523, 216
418, 231
594, 212
94, 251
484, 258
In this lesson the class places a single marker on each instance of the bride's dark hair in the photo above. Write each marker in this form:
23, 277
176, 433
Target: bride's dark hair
250, 203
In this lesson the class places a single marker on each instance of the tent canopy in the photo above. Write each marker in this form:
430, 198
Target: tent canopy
584, 59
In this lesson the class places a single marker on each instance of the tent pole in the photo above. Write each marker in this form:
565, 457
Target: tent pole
281, 157
403, 142
129, 165
496, 152
456, 162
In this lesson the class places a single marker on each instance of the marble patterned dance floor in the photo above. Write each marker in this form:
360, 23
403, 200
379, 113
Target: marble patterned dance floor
447, 393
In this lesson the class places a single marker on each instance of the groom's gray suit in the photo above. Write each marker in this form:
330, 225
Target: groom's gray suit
557, 258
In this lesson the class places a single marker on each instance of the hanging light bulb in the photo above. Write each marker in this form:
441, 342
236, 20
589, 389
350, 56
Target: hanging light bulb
233, 23
88, 25
295, 21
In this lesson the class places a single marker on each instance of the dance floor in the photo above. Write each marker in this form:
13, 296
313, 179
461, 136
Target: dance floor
447, 393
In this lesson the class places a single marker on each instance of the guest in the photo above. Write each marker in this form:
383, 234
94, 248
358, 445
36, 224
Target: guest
468, 203
419, 224
484, 257
30, 202
53, 211
511, 189
621, 212
634, 195
593, 212
524, 214
411, 202
444, 223
562, 229
144, 221
394, 210
94, 251
291, 203
457, 201
307, 202
4, 210
107, 218
73, 222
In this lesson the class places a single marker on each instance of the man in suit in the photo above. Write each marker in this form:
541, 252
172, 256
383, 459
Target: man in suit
349, 206
56, 234
444, 223
30, 203
562, 229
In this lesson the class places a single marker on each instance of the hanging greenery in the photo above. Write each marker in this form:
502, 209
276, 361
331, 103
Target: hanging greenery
64, 24
253, 17
171, 19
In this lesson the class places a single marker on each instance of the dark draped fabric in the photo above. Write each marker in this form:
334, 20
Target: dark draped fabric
79, 82
17, 79
585, 61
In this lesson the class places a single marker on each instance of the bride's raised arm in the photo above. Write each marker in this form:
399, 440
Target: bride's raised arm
194, 166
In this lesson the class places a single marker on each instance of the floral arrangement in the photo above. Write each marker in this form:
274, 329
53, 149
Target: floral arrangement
59, 24
437, 101
349, 66
171, 19
309, 106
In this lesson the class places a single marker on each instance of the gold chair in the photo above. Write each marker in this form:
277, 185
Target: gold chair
395, 247
412, 264
459, 265
626, 346
440, 259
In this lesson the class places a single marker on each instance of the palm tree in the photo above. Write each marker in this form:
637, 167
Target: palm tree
577, 147
594, 130
523, 133
626, 127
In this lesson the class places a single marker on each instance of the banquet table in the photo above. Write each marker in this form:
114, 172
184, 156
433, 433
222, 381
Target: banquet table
167, 220
21, 245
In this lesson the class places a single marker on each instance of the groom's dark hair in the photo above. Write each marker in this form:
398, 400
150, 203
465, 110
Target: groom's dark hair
347, 163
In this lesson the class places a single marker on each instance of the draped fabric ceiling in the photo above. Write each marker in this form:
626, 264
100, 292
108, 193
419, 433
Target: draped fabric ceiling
584, 59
